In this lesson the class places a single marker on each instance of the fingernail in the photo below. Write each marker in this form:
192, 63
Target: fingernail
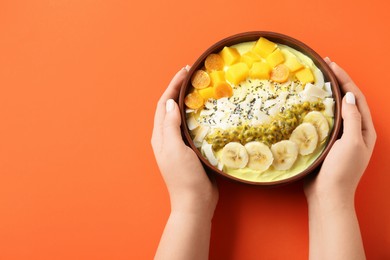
327, 59
187, 67
350, 98
170, 105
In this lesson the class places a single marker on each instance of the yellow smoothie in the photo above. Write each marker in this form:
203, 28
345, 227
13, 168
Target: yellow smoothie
205, 117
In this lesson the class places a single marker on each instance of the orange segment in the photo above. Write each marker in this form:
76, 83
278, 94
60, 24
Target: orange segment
214, 62
200, 79
280, 73
194, 100
223, 89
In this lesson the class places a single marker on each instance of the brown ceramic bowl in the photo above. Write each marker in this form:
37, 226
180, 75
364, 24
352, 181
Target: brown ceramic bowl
277, 38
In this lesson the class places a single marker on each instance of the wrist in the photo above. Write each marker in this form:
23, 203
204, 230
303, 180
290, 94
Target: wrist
331, 201
193, 206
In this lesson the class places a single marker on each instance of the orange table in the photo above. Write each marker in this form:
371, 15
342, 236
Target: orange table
79, 81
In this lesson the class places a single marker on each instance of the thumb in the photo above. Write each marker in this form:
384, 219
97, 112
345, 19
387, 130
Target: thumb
172, 121
352, 117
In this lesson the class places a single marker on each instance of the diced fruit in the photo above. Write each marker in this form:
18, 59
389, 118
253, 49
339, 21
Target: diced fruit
260, 70
280, 73
216, 77
250, 57
207, 93
275, 58
229, 55
214, 62
200, 79
293, 64
264, 47
194, 100
237, 73
223, 89
305, 75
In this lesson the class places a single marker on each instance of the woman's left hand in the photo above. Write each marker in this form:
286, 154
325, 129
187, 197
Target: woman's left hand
190, 189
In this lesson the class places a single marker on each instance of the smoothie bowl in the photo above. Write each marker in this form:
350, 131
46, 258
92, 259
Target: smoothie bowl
260, 108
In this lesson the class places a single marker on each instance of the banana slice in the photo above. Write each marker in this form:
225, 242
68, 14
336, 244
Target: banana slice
306, 137
260, 156
234, 155
319, 121
285, 153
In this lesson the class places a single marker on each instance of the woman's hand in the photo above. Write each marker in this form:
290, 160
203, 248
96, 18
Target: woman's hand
347, 160
189, 187
193, 195
333, 226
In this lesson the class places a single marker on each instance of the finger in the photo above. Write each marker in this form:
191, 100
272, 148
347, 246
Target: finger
172, 91
327, 60
352, 118
347, 85
174, 86
172, 135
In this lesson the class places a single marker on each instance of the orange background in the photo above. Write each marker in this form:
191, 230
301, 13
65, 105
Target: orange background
79, 80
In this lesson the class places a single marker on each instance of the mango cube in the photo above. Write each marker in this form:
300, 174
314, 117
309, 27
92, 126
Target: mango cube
250, 57
305, 75
293, 64
207, 93
217, 76
264, 47
275, 58
237, 73
260, 70
229, 55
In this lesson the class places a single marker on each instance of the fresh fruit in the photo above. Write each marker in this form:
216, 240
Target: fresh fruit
222, 89
192, 123
237, 73
292, 63
200, 79
229, 55
260, 156
285, 154
264, 47
280, 73
320, 123
217, 77
201, 133
250, 57
207, 93
314, 91
209, 153
260, 70
194, 100
305, 75
275, 58
214, 62
234, 155
306, 137
329, 107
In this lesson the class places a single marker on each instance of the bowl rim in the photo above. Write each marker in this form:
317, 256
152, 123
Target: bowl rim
280, 39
